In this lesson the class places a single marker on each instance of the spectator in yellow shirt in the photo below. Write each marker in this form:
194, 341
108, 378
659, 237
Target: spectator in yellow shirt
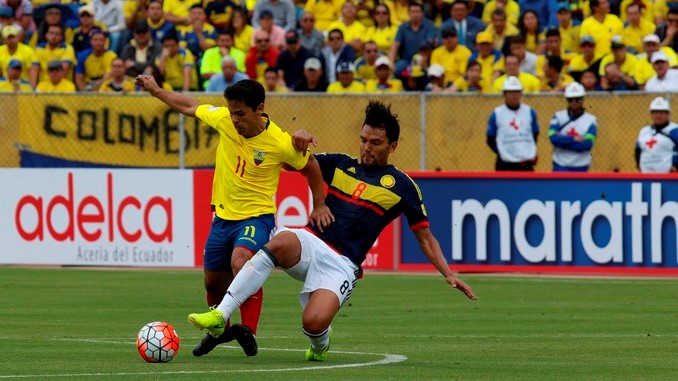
601, 25
628, 63
352, 29
364, 66
176, 64
500, 29
382, 32
14, 82
636, 28
554, 79
569, 33
437, 82
325, 12
384, 82
399, 10
242, 31
529, 82
490, 59
651, 44
56, 83
471, 82
177, 11
345, 80
587, 59
15, 50
93, 63
117, 80
272, 80
511, 8
53, 49
451, 55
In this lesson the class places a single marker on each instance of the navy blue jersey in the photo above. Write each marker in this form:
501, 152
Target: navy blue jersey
364, 201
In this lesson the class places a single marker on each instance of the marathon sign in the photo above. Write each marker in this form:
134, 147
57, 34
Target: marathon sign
551, 223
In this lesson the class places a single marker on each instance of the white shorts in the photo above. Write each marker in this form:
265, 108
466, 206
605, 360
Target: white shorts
320, 267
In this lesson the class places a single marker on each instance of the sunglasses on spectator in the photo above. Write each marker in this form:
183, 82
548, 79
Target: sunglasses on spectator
263, 40
672, 20
371, 50
578, 100
307, 19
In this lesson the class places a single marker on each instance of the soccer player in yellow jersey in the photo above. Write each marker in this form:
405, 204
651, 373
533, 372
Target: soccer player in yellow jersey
251, 153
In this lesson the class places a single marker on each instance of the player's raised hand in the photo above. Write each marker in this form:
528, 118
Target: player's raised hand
148, 82
301, 139
461, 286
321, 217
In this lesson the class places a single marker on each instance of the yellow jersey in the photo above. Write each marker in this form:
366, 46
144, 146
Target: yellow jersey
511, 8
179, 8
383, 37
243, 41
393, 85
530, 83
325, 12
127, 86
355, 31
354, 87
93, 67
569, 38
174, 69
43, 54
247, 170
633, 36
454, 62
602, 32
23, 53
65, 86
21, 86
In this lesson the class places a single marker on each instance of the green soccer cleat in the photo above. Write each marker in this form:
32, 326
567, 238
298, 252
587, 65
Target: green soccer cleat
210, 322
321, 355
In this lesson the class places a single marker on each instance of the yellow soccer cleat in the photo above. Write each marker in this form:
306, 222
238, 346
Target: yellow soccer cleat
210, 322
319, 355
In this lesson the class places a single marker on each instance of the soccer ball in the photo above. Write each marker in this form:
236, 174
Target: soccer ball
157, 342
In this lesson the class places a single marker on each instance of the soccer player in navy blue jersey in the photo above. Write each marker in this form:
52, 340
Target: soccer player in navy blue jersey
364, 196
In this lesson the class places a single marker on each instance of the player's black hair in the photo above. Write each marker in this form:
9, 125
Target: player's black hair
379, 115
247, 91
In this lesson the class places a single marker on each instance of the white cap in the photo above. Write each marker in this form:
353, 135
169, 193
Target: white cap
436, 70
381, 61
512, 83
574, 90
660, 104
651, 38
659, 56
312, 64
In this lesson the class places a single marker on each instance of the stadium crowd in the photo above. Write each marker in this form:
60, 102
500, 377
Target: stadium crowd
339, 46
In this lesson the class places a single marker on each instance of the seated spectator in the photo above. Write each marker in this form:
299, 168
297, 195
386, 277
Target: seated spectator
117, 81
529, 82
471, 82
437, 82
141, 52
352, 30
587, 59
568, 28
13, 49
364, 66
554, 80
530, 28
636, 28
382, 32
87, 24
510, 7
176, 64
56, 81
336, 51
400, 11
283, 12
451, 55
601, 25
553, 47
409, 37
414, 78
22, 11
666, 79
290, 63
94, 63
437, 11
500, 29
528, 60
627, 62
646, 10
667, 31
242, 31
324, 12
311, 38
219, 13
53, 49
345, 82
111, 14
7, 19
197, 36
260, 56
423, 57
275, 33
467, 26
13, 81
228, 76
178, 11
211, 59
158, 25
589, 79
52, 17
615, 80
153, 71
384, 81
272, 80
490, 60
314, 80
651, 45
364, 10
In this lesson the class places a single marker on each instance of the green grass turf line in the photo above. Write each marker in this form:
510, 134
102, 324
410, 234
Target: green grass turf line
81, 324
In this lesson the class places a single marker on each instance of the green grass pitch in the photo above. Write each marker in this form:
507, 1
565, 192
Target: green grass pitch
81, 324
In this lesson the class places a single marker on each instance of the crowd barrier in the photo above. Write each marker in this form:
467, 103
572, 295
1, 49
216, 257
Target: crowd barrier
439, 132
485, 222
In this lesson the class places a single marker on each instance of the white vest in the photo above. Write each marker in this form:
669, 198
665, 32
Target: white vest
656, 149
565, 157
515, 139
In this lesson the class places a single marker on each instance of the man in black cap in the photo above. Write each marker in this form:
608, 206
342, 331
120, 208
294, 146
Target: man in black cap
291, 61
141, 52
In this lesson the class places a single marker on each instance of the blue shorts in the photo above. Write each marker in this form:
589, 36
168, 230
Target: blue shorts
225, 235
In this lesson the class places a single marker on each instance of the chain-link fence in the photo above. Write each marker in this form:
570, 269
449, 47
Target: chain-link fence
438, 132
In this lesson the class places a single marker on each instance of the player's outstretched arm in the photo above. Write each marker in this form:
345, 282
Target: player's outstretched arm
431, 248
177, 101
301, 139
321, 216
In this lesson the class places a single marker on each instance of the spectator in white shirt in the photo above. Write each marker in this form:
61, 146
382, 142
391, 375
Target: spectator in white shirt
110, 13
666, 78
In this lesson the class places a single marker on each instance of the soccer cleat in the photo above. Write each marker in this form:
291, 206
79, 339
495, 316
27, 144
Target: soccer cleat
245, 338
210, 322
209, 342
321, 355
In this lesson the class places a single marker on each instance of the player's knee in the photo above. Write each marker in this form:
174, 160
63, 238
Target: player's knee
283, 247
314, 323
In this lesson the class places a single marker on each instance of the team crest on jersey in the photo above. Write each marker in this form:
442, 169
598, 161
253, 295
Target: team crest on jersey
259, 157
387, 181
351, 169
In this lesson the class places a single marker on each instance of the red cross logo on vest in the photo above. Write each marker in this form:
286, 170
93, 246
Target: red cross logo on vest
514, 123
650, 143
572, 132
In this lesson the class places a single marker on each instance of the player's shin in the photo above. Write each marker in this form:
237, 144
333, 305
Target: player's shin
250, 279
250, 311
